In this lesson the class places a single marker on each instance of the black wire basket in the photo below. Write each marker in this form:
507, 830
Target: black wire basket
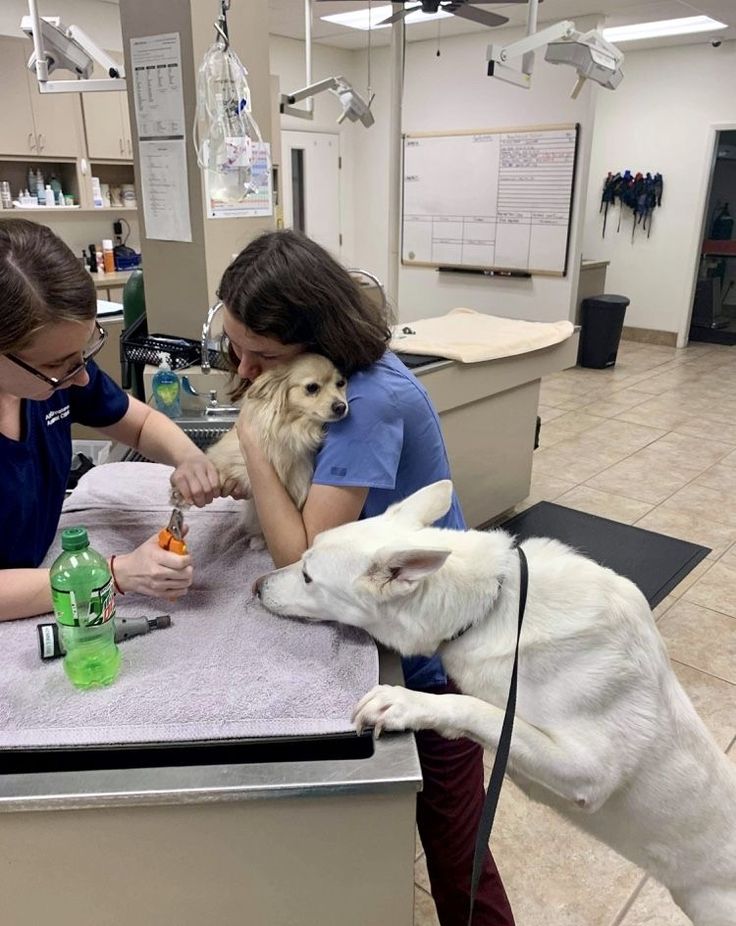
138, 348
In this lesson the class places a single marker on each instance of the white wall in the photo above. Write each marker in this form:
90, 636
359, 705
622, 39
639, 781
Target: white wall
660, 119
100, 20
453, 92
287, 62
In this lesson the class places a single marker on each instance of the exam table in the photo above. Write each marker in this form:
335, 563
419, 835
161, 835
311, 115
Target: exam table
218, 780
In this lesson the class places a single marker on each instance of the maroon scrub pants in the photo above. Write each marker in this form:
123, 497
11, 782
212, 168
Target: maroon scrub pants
448, 811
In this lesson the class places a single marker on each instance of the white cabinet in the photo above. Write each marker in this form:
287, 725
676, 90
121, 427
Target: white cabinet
107, 125
17, 131
47, 125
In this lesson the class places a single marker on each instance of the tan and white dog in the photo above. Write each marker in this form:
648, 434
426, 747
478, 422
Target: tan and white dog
604, 732
288, 408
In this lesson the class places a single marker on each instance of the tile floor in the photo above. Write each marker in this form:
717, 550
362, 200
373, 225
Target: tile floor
651, 441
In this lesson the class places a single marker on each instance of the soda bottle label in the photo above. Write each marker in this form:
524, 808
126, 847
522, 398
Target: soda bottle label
100, 610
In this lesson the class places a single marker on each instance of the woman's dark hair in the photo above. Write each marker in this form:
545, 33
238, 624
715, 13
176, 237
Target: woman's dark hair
285, 286
41, 282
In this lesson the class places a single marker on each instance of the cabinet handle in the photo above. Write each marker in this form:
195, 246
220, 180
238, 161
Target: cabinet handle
31, 143
41, 142
130, 147
122, 147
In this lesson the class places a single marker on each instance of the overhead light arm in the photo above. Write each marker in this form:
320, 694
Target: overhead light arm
67, 49
354, 107
589, 53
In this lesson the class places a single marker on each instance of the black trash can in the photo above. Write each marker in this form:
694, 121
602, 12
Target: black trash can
602, 323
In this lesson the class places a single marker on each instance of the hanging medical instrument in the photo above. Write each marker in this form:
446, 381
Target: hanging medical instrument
224, 127
641, 193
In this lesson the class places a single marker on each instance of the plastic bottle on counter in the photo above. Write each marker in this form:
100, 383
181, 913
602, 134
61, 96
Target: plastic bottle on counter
166, 388
84, 606
49, 196
108, 256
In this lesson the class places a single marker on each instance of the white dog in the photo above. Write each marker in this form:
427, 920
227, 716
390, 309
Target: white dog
288, 407
604, 732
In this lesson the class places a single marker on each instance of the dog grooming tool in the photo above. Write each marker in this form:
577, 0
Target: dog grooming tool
172, 536
51, 647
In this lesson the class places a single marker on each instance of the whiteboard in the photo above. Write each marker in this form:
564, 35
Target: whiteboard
496, 199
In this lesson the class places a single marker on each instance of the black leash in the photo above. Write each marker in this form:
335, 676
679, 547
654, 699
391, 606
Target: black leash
502, 753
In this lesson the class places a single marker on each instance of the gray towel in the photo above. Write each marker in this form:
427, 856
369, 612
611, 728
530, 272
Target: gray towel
226, 668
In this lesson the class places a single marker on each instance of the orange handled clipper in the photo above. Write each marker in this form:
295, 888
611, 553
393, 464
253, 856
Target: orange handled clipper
171, 537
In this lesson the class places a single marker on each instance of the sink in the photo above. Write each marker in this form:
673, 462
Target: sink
204, 429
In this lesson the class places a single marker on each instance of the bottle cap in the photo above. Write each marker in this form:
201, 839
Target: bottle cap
164, 361
74, 538
107, 244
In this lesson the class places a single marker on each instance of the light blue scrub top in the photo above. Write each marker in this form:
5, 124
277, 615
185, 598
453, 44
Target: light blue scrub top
390, 443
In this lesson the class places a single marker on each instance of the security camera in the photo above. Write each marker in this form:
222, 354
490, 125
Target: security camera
716, 43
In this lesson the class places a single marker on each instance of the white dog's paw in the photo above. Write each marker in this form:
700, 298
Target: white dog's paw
389, 707
256, 542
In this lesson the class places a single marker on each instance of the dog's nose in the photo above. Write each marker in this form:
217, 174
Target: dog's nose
339, 409
257, 586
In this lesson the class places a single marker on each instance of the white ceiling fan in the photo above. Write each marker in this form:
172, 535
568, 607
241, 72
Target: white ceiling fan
462, 8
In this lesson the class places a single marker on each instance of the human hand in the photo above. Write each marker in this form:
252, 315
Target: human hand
151, 571
196, 481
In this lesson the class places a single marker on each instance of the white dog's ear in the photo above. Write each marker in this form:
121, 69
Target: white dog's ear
424, 507
400, 570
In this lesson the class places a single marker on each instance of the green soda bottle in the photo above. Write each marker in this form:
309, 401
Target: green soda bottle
84, 606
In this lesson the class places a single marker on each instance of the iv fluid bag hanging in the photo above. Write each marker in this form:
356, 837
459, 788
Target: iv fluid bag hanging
225, 129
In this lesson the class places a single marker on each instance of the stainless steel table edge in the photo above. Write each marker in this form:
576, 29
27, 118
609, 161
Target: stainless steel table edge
394, 766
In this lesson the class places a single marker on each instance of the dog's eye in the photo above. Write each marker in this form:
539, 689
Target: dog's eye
306, 576
312, 388
340, 383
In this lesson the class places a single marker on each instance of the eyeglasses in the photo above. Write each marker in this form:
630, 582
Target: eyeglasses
87, 354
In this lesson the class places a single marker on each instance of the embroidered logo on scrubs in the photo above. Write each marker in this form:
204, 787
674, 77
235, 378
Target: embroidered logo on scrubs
56, 414
340, 471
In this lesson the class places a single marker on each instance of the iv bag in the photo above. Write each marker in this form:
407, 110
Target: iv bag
225, 130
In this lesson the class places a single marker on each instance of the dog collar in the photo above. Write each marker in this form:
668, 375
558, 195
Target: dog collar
467, 627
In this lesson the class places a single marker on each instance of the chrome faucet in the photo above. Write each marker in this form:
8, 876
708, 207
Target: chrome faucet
205, 358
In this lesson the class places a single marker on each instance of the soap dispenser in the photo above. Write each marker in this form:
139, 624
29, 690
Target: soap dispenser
166, 388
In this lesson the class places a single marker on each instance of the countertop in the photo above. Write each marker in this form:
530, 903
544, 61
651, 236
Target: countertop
593, 264
104, 280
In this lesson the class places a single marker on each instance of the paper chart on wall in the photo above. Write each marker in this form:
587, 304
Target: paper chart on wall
165, 190
159, 114
157, 85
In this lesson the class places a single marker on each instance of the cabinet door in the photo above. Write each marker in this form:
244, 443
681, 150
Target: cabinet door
127, 134
17, 132
103, 124
58, 118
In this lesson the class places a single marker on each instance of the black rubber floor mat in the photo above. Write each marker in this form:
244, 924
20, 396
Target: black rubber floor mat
654, 562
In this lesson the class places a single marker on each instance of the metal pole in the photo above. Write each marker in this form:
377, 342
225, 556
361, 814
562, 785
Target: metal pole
527, 62
308, 48
395, 159
42, 68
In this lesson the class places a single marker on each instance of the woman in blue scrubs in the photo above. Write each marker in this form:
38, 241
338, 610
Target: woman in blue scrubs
48, 380
283, 295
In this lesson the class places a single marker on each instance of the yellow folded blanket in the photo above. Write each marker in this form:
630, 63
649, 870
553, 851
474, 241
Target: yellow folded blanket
470, 336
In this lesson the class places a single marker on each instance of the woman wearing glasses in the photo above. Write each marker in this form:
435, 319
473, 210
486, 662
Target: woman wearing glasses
48, 380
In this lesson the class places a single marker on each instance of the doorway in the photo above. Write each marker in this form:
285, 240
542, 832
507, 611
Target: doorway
311, 186
714, 305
